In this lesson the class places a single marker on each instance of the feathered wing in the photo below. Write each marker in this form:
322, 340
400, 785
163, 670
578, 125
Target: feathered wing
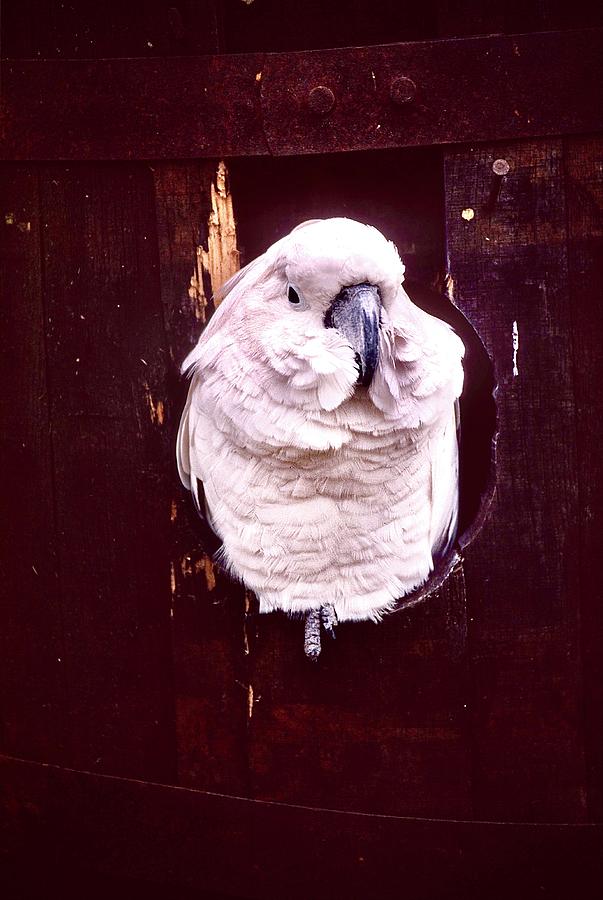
188, 457
183, 456
444, 458
418, 386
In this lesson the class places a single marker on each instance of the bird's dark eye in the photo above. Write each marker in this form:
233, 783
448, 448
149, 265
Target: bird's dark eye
295, 298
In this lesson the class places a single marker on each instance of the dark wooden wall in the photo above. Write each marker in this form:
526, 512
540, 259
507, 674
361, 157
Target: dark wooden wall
125, 652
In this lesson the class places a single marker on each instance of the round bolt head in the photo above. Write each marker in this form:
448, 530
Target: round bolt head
500, 167
402, 90
321, 100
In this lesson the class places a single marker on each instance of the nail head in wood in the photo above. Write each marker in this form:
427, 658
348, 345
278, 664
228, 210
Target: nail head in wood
402, 90
500, 167
321, 99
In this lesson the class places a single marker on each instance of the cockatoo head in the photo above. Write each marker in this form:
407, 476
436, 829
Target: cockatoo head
311, 311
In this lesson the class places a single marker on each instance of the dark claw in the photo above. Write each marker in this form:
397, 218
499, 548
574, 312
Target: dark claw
312, 635
328, 618
325, 616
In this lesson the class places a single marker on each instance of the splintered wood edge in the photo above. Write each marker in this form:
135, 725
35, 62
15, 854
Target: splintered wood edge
220, 260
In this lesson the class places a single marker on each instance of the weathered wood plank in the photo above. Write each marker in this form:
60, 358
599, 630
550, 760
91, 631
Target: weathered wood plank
106, 354
32, 689
180, 838
378, 724
149, 28
197, 246
470, 17
208, 610
182, 204
508, 258
309, 26
86, 30
584, 187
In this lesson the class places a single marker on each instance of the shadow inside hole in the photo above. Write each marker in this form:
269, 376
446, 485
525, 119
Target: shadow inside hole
477, 458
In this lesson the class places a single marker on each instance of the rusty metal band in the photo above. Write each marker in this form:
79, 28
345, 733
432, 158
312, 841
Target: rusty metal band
358, 98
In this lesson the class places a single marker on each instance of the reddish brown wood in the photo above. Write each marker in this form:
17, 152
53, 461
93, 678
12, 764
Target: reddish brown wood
85, 30
150, 28
378, 724
106, 359
584, 198
465, 17
32, 694
187, 839
509, 264
208, 611
182, 208
162, 108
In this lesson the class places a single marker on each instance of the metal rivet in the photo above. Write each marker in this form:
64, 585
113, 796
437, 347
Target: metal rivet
321, 99
500, 167
402, 90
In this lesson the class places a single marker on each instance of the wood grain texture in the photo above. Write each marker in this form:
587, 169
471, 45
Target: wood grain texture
166, 28
32, 691
509, 264
584, 193
85, 30
75, 822
208, 610
182, 208
276, 25
106, 360
470, 17
378, 724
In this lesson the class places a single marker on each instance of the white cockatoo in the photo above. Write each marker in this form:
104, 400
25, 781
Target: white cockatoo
319, 437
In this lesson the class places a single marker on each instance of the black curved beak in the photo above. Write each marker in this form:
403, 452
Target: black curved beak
356, 314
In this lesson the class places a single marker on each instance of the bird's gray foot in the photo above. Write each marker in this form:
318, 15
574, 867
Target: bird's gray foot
328, 617
324, 616
312, 635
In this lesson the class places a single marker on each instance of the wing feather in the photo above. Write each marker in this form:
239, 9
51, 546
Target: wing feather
189, 468
444, 461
